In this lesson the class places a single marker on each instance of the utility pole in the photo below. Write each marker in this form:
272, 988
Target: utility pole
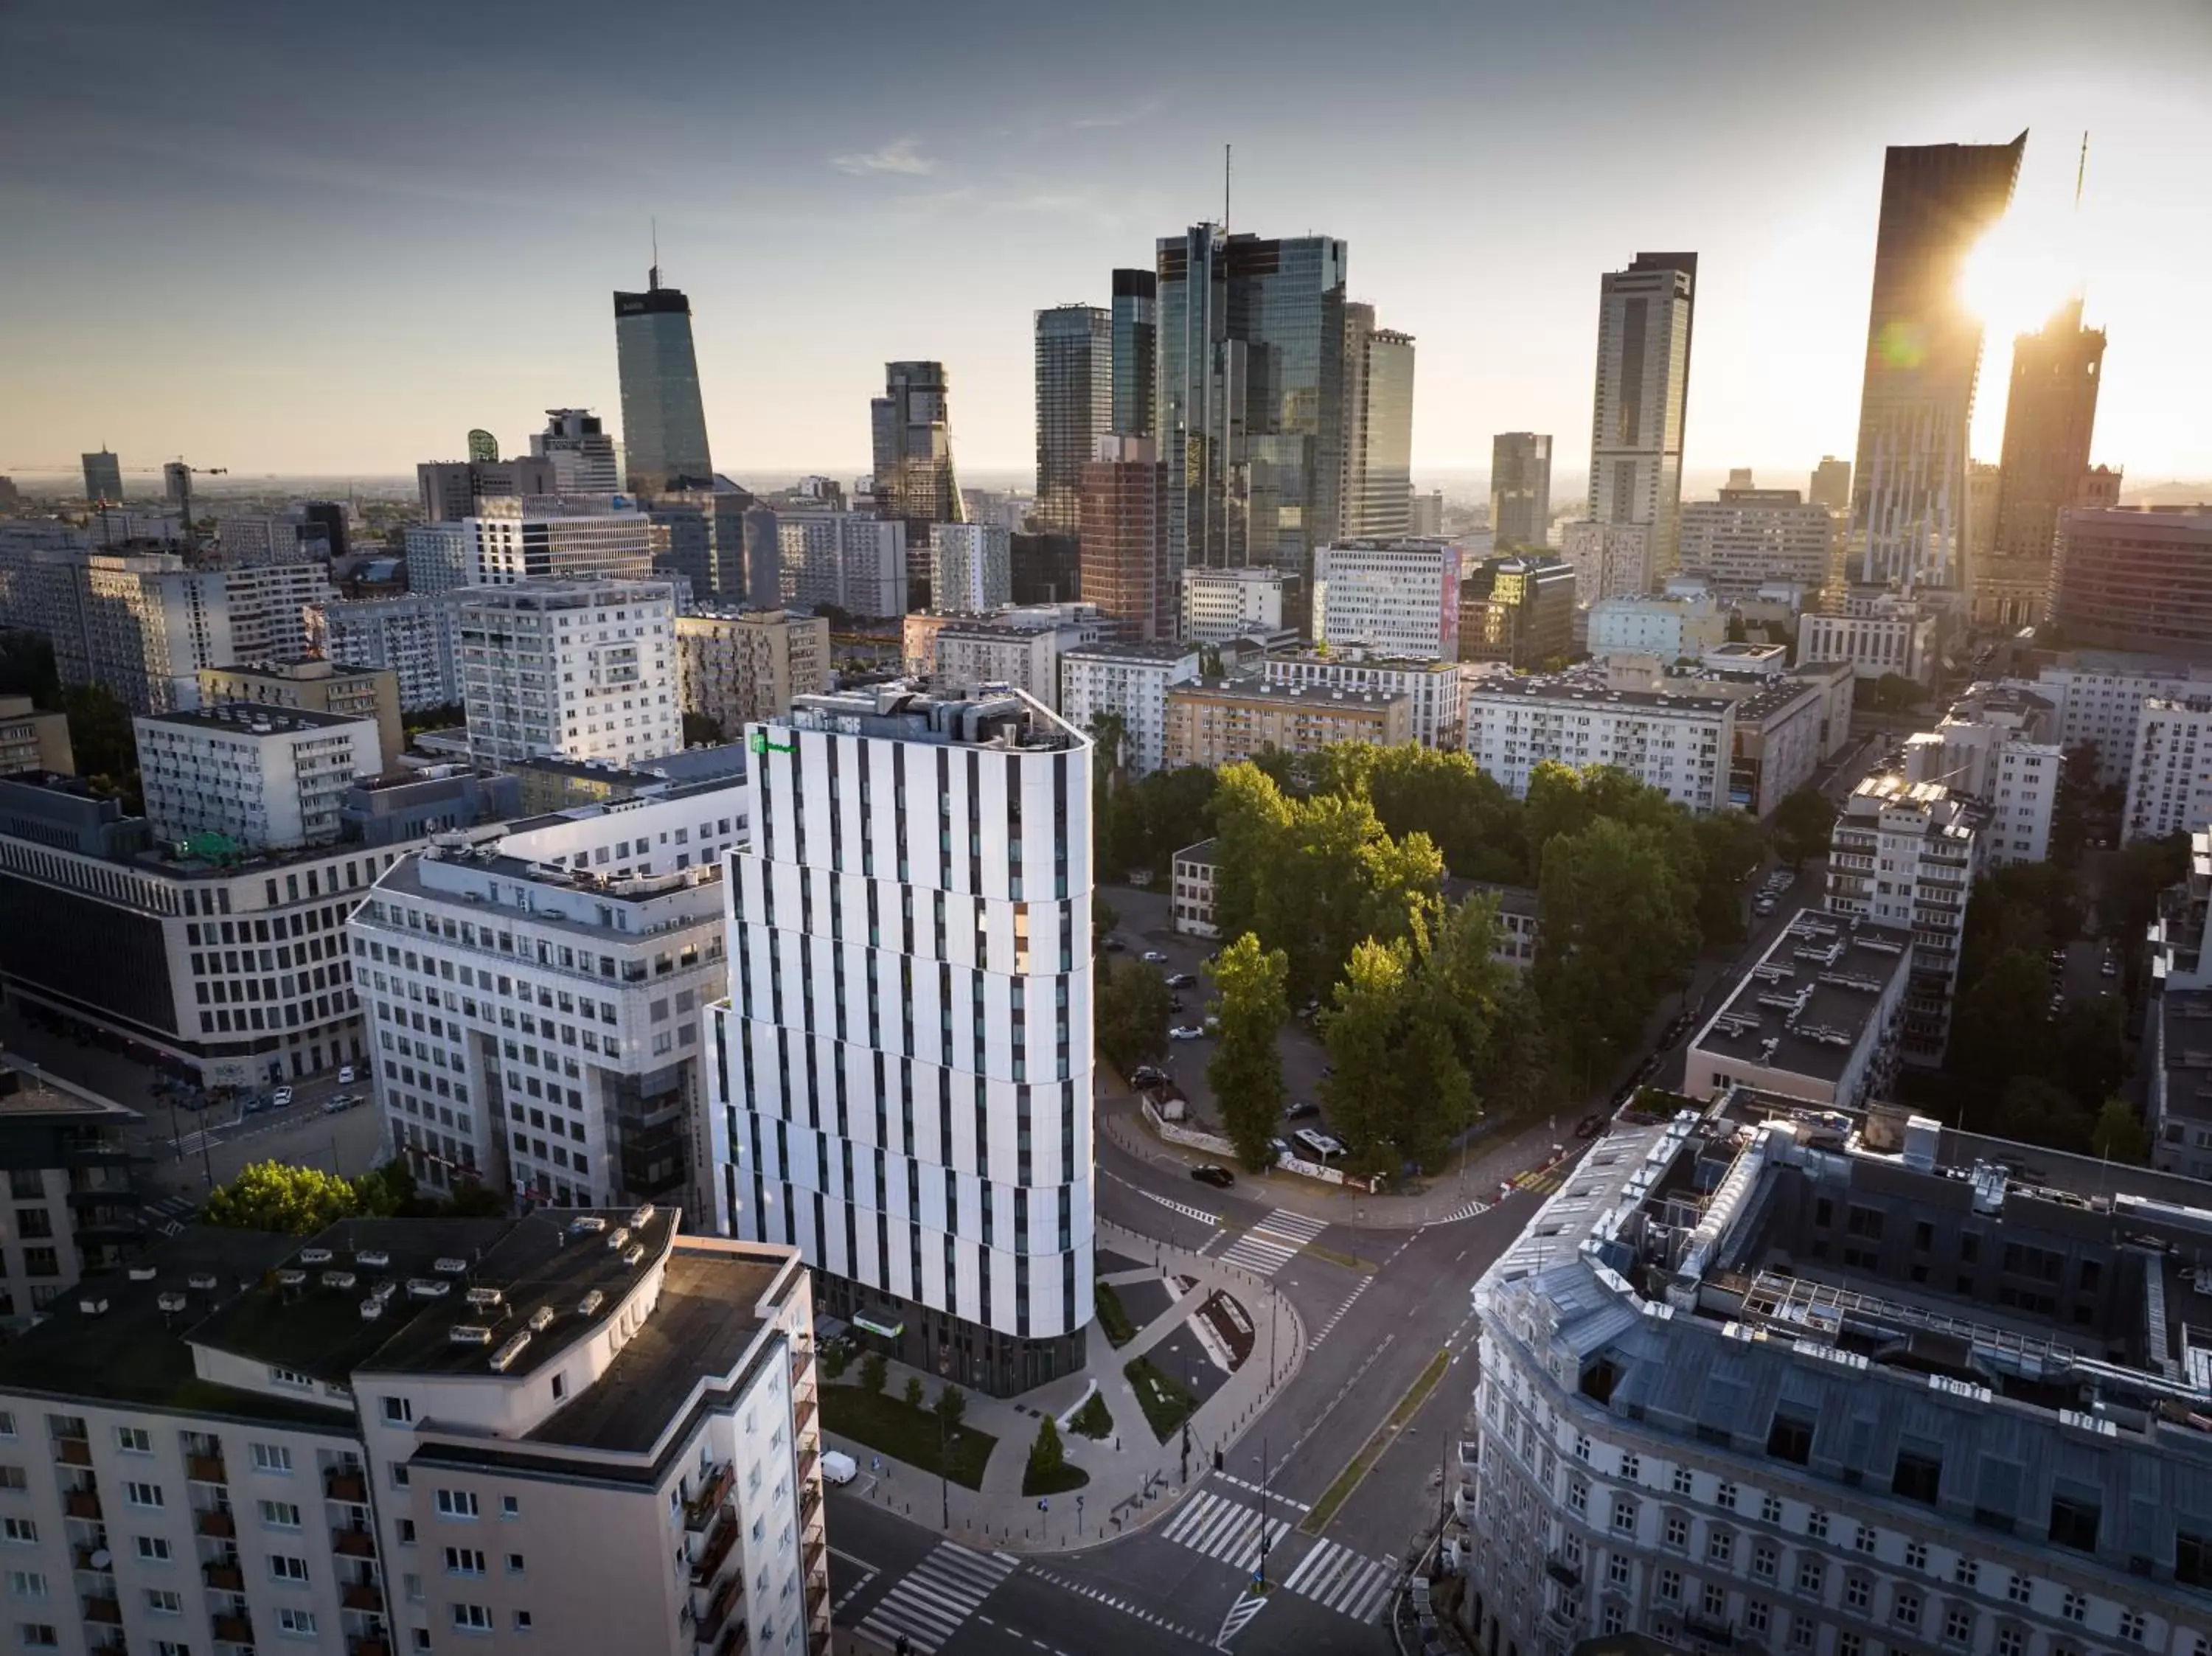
1259, 1577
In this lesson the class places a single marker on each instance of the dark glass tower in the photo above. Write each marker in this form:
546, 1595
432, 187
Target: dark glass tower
2050, 415
910, 427
1249, 403
1136, 351
1074, 406
664, 422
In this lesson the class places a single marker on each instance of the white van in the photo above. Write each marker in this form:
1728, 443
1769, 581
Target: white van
1319, 1145
838, 1467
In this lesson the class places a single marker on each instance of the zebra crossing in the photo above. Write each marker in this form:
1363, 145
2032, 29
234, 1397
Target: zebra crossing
1228, 1530
1273, 1242
933, 1599
1337, 1315
1464, 1210
171, 1213
1184, 1208
1341, 1579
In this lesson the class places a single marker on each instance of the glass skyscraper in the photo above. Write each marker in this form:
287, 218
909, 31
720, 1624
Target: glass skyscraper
1644, 316
1074, 406
1136, 351
910, 427
1377, 495
664, 422
1250, 399
1923, 353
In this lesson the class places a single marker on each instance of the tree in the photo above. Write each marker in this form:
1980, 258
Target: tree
1048, 1454
835, 1358
1802, 822
2118, 1136
1246, 1071
914, 1391
2036, 1112
273, 1196
103, 743
1893, 693
2000, 1028
874, 1372
26, 668
1360, 1031
700, 731
1619, 926
1729, 847
1132, 1007
473, 1200
950, 1409
388, 1191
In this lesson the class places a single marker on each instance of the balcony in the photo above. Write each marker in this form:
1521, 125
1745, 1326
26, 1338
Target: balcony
223, 1578
362, 1596
699, 1510
807, 1461
719, 1607
368, 1644
1565, 1573
1714, 1629
813, 1552
102, 1609
233, 1630
218, 1524
83, 1503
720, 1540
81, 1556
73, 1451
205, 1469
803, 1411
353, 1541
735, 1640
346, 1484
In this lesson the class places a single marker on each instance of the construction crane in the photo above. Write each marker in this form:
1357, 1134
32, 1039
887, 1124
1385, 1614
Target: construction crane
179, 477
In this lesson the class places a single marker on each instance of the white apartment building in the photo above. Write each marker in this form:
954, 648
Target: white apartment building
737, 665
1680, 744
268, 609
578, 1432
415, 638
1435, 691
1671, 628
1988, 747
1020, 647
586, 669
971, 566
1753, 538
1905, 853
555, 538
266, 539
140, 623
1393, 597
1221, 605
437, 557
1897, 639
77, 1204
532, 999
2170, 768
235, 973
1130, 682
271, 779
1191, 890
853, 559
912, 907
2100, 695
1610, 560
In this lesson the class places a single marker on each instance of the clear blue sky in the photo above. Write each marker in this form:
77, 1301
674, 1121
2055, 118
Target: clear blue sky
324, 238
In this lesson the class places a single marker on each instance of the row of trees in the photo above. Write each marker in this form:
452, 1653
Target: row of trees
300, 1201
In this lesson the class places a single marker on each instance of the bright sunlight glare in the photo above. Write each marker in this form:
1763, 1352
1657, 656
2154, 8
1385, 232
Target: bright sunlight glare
2022, 272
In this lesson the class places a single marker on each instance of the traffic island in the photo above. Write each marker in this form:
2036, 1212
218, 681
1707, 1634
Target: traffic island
1166, 1402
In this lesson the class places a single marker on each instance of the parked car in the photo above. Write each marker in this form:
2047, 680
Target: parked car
1153, 957
1146, 1076
1279, 1148
1181, 980
1320, 1145
1186, 1031
838, 1467
1214, 1173
1589, 1126
1297, 1109
281, 1099
2110, 969
346, 1075
1113, 945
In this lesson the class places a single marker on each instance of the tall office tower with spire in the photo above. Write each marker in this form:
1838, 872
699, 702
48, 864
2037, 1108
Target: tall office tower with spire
911, 426
664, 422
1249, 403
1520, 489
1924, 351
1074, 406
1377, 487
2049, 418
1136, 351
1644, 315
103, 479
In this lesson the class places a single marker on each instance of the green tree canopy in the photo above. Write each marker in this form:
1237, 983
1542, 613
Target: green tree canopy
1246, 1071
2117, 1135
1132, 1010
1802, 825
274, 1195
1619, 927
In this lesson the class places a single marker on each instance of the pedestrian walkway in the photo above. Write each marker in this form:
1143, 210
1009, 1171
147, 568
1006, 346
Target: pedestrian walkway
1337, 1315
1223, 1527
929, 1603
1183, 1208
1343, 1580
171, 1212
1466, 1210
1272, 1243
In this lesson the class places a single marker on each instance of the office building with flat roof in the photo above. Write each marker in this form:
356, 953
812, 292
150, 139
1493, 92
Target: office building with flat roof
1520, 489
1074, 409
664, 418
1679, 743
1645, 314
261, 778
314, 685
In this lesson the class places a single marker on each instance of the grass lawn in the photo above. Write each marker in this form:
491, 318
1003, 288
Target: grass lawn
1111, 1317
1061, 1479
1094, 1419
891, 1425
1165, 1402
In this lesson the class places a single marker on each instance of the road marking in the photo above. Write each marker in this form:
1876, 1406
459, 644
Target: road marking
1099, 1596
868, 1573
1337, 1316
1341, 1579
1466, 1210
1541, 1181
1239, 1613
1342, 1392
1273, 1242
929, 1603
1274, 1499
1225, 1529
1183, 1208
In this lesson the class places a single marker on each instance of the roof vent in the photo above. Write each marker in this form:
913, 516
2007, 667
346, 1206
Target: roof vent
449, 1266
427, 1287
171, 1301
633, 1253
485, 1298
337, 1279
202, 1280
371, 1258
589, 1305
371, 1307
589, 1224
290, 1276
503, 1359
542, 1319
314, 1256
620, 1239
142, 1273
643, 1217
469, 1334
93, 1305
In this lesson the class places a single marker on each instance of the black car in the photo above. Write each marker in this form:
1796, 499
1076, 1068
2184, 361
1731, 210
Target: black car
1296, 1110
1114, 945
1214, 1174
1146, 1076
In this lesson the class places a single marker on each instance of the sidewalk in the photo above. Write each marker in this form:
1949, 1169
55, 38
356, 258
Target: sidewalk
1134, 1480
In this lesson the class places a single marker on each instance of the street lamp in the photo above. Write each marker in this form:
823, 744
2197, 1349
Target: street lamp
1260, 1576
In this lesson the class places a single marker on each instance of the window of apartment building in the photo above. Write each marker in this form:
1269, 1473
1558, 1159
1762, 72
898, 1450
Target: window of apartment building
1624, 1513
398, 1411
1816, 1523
1618, 1569
134, 1439
472, 1619
27, 1583
275, 1459
1676, 1531
1811, 1573
280, 1514
1669, 1588
1764, 1559
165, 1601
1770, 1509
2021, 1589
282, 1567
19, 1532
143, 1495
457, 1503
292, 1619
1958, 1625
464, 1560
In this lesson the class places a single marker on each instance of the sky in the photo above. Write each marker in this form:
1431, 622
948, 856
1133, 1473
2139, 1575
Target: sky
324, 239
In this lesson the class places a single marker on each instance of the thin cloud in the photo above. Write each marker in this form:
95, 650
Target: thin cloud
1128, 117
902, 157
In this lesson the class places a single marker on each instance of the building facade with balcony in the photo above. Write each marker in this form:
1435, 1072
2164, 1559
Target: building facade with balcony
1435, 691
1129, 681
1216, 722
1677, 743
1905, 853
581, 668
72, 1184
583, 1432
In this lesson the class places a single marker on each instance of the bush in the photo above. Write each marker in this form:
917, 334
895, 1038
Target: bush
835, 1358
875, 1372
1111, 1317
1048, 1471
1164, 1400
1094, 1420
914, 1391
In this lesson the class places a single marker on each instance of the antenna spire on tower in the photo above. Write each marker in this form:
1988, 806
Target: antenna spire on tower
2081, 170
653, 275
1226, 150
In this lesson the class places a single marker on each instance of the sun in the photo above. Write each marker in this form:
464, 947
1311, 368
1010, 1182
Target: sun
2019, 275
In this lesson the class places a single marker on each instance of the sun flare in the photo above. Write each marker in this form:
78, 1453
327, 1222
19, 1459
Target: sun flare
2018, 276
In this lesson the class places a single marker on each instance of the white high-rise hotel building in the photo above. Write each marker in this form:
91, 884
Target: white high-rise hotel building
901, 1077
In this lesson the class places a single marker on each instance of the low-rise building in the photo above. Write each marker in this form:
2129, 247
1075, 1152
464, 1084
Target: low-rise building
1435, 690
586, 1431
265, 779
1222, 604
416, 638
71, 1181
1129, 681
533, 1000
1993, 746
33, 742
414, 805
1191, 882
1878, 634
733, 666
2169, 768
317, 686
1216, 722
1672, 628
1519, 914
1677, 744
1817, 1019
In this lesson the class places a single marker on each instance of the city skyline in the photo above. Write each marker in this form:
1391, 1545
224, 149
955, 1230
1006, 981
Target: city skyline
337, 348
